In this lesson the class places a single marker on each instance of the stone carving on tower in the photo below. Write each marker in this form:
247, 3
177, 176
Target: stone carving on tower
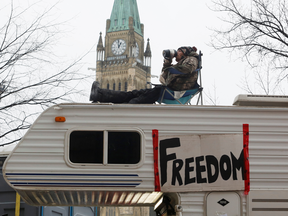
123, 64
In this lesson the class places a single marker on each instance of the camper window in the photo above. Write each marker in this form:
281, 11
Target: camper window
88, 147
123, 148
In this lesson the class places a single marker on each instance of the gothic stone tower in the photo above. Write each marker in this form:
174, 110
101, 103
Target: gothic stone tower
122, 64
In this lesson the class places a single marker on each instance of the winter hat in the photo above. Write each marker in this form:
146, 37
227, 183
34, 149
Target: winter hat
186, 50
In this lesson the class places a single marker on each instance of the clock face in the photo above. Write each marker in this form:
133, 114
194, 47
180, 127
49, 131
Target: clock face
118, 47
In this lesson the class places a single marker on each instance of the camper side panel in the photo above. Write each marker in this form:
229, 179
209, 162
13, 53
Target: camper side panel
42, 155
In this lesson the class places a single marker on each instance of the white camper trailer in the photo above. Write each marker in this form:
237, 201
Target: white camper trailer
184, 160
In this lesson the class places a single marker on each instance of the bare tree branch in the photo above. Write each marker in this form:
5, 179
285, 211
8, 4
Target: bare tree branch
30, 76
212, 99
259, 31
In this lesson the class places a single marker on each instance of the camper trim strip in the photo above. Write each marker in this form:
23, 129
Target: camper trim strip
94, 182
70, 174
48, 184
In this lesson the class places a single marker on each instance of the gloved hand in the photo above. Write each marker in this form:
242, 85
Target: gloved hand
167, 62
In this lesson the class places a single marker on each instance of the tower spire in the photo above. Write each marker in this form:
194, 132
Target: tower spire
100, 49
147, 54
100, 42
121, 12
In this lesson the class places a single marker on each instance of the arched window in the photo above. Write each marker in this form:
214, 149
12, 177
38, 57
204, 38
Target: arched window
107, 85
114, 86
119, 87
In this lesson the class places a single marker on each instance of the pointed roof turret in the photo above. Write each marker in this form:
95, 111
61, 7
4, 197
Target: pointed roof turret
100, 43
148, 50
122, 10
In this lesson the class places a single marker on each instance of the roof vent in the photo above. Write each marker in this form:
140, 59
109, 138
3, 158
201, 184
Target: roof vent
261, 100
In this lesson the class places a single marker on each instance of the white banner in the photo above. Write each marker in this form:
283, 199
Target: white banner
190, 163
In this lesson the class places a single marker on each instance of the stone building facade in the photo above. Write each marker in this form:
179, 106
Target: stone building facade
122, 63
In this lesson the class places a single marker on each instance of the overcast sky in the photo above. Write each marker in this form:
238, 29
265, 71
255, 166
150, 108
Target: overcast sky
167, 23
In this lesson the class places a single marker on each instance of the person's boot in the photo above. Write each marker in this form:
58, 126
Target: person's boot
147, 96
94, 95
106, 95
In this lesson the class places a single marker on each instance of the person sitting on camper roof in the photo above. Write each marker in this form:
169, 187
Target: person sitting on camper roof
187, 63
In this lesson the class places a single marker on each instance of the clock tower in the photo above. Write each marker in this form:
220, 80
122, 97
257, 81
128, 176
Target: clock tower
122, 63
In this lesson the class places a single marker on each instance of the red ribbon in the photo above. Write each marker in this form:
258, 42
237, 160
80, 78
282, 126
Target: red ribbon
155, 151
246, 158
